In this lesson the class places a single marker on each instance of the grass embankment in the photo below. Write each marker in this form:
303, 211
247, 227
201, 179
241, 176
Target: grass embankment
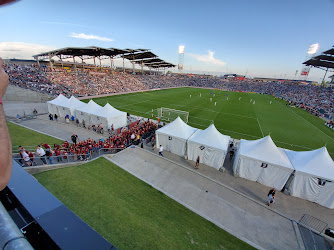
131, 214
26, 137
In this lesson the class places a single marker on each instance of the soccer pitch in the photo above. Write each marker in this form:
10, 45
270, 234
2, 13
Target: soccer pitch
239, 115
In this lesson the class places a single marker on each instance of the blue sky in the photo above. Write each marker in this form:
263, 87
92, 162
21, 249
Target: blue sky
265, 38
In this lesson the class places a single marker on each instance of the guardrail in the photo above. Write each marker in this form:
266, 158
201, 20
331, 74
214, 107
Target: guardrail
69, 158
10, 236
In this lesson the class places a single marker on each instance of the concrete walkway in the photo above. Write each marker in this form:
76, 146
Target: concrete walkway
242, 217
289, 206
59, 129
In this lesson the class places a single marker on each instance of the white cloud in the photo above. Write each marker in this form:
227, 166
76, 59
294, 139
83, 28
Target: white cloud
21, 50
90, 37
209, 58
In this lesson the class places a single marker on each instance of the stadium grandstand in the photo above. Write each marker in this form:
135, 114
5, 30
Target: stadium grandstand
324, 61
53, 77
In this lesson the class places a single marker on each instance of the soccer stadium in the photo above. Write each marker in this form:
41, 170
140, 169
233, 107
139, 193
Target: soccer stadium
111, 147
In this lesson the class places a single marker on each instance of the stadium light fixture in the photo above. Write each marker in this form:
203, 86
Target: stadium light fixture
313, 49
181, 49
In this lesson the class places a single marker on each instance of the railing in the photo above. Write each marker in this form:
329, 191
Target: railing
314, 223
70, 158
310, 229
10, 236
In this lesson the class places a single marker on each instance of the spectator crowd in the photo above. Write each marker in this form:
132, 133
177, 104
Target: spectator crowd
84, 149
83, 82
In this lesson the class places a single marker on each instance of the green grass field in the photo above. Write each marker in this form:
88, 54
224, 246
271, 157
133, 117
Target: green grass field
26, 137
289, 127
131, 214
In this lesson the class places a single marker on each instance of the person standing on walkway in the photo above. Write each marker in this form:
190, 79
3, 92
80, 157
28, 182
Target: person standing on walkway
271, 196
160, 150
197, 162
74, 138
231, 154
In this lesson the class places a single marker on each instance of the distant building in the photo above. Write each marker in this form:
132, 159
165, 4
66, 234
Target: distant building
25, 62
191, 75
277, 80
233, 77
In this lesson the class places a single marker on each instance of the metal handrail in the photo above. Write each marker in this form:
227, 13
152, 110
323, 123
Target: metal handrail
100, 151
10, 236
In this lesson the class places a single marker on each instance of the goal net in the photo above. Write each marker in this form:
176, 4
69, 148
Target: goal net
167, 114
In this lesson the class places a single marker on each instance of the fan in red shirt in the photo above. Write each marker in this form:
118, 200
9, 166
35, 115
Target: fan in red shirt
65, 154
32, 158
46, 146
66, 144
58, 155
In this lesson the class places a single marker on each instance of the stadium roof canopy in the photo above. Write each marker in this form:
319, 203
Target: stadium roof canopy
323, 61
154, 63
81, 52
141, 55
138, 56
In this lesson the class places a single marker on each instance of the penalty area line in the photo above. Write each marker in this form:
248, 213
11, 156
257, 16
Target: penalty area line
131, 104
260, 126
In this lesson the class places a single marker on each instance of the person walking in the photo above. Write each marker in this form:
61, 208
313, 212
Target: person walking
160, 150
271, 197
197, 162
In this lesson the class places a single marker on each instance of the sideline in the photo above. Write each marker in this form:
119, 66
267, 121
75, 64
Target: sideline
260, 126
311, 124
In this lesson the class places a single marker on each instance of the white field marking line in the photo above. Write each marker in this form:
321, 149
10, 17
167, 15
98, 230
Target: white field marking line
202, 118
197, 124
136, 111
207, 109
310, 124
260, 126
238, 133
132, 104
226, 130
295, 145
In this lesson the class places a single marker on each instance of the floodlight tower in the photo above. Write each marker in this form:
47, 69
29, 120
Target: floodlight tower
181, 57
312, 50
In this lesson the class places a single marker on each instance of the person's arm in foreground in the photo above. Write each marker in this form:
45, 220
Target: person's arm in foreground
5, 142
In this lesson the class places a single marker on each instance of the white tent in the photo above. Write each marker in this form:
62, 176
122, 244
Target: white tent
173, 137
115, 117
314, 176
262, 161
74, 104
85, 112
108, 116
54, 104
69, 107
210, 145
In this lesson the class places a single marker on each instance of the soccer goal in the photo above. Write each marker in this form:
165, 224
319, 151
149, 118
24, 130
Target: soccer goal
167, 114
